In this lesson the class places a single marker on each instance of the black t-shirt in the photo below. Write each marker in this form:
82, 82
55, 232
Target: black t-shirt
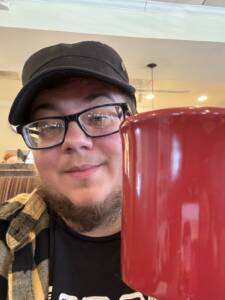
88, 267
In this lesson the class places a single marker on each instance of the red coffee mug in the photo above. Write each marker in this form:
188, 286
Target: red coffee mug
173, 222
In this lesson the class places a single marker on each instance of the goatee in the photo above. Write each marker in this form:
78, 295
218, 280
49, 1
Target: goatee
83, 218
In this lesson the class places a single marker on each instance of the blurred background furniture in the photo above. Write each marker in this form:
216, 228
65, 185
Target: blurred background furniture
16, 179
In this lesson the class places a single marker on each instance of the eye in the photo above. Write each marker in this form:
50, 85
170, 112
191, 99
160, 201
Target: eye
46, 128
101, 118
50, 128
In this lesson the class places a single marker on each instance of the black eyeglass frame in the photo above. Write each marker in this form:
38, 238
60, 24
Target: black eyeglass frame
74, 117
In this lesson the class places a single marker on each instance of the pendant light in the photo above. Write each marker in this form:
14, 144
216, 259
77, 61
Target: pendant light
151, 96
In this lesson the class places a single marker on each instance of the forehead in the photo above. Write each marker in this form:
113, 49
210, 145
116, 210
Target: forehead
80, 91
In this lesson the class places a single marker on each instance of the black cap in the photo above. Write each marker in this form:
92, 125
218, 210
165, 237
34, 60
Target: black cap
85, 59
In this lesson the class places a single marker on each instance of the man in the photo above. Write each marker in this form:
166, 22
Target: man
62, 241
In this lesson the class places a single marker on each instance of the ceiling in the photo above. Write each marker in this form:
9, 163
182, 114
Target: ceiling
220, 3
186, 39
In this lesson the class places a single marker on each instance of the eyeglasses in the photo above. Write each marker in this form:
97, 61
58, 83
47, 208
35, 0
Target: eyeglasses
98, 121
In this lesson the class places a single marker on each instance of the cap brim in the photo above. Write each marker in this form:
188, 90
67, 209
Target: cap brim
19, 110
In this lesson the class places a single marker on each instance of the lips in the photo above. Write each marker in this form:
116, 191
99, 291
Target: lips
83, 170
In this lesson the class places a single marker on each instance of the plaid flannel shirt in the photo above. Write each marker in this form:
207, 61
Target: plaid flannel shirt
24, 223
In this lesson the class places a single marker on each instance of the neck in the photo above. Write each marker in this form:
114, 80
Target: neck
99, 231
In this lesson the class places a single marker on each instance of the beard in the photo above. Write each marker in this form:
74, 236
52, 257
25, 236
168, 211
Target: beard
83, 218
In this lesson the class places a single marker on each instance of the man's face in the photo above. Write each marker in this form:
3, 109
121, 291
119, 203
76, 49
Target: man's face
83, 174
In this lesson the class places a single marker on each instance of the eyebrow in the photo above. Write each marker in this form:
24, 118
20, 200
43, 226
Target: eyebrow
91, 97
44, 106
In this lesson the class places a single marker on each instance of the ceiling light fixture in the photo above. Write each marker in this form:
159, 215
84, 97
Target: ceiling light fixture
151, 96
202, 98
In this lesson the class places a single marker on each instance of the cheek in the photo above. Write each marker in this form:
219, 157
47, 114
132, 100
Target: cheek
113, 149
44, 161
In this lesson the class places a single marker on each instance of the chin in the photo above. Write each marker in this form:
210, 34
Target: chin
86, 197
82, 209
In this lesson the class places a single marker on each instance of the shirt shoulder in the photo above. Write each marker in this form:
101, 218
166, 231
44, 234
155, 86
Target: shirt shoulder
23, 214
25, 201
12, 206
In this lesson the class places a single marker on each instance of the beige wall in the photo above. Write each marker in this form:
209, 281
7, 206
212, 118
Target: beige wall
8, 139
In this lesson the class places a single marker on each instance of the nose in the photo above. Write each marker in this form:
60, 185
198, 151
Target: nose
76, 139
